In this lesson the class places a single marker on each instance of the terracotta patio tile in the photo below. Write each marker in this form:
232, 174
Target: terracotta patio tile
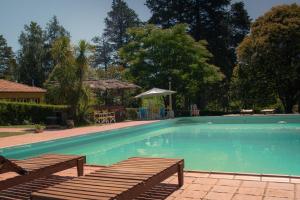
200, 187
185, 186
249, 178
276, 179
218, 196
246, 197
225, 176
169, 198
198, 175
176, 193
189, 179
251, 191
297, 194
183, 198
256, 184
297, 187
229, 182
170, 180
279, 193
282, 186
227, 189
206, 181
175, 181
193, 194
276, 198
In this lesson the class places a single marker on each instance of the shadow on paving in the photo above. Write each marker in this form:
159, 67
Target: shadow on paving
23, 191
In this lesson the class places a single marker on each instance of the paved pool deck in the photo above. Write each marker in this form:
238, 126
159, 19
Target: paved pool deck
57, 134
200, 186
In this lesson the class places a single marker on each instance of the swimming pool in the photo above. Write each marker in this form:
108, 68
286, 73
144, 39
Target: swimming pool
251, 144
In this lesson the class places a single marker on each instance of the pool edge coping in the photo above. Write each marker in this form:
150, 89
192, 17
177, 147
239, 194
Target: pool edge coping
226, 173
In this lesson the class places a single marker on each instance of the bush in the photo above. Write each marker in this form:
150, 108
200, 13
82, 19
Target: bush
131, 114
19, 113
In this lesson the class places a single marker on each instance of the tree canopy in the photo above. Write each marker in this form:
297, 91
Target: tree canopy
222, 24
118, 20
269, 58
7, 60
154, 54
31, 55
66, 80
52, 32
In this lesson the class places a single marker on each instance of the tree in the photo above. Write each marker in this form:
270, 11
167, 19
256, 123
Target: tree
102, 56
7, 60
222, 24
31, 55
60, 84
52, 32
83, 92
119, 19
209, 20
154, 54
66, 82
270, 56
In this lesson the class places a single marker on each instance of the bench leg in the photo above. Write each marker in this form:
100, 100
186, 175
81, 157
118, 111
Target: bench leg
180, 174
80, 163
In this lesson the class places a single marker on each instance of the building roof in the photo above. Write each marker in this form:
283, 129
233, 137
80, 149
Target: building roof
110, 84
9, 86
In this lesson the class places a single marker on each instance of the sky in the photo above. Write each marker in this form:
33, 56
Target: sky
84, 19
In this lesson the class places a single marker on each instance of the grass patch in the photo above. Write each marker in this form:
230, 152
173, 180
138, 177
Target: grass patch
19, 126
7, 134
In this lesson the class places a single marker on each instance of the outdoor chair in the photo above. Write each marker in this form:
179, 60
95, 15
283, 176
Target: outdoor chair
122, 181
247, 111
268, 111
36, 167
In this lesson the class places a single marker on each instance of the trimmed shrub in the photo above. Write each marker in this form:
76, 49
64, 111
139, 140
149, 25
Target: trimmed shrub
19, 113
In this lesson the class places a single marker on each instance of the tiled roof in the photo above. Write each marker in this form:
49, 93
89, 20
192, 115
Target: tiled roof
9, 86
110, 84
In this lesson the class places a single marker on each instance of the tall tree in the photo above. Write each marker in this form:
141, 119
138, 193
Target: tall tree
154, 54
119, 19
83, 92
31, 55
7, 60
65, 84
222, 24
52, 32
212, 20
270, 55
60, 82
102, 56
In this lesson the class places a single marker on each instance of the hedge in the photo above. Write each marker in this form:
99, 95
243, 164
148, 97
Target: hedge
21, 113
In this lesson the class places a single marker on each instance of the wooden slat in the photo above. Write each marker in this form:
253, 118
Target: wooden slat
44, 166
123, 181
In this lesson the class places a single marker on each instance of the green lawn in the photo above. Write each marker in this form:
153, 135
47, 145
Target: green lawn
7, 134
18, 126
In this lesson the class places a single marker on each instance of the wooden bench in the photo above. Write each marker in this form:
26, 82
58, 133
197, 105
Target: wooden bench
122, 181
40, 166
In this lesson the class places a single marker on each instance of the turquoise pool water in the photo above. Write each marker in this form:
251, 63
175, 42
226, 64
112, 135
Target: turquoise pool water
256, 144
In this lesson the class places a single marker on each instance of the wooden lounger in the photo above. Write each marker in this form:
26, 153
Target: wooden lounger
122, 181
37, 167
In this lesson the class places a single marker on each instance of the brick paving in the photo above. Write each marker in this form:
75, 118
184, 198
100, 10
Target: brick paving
214, 186
57, 134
